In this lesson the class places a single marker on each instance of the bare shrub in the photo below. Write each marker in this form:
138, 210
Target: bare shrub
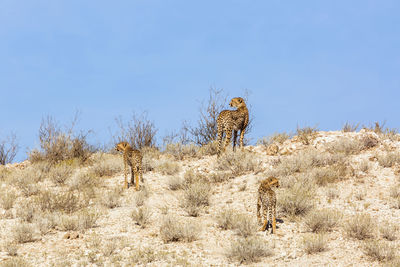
350, 127
379, 250
347, 146
306, 134
323, 176
26, 211
139, 131
388, 231
219, 177
359, 226
206, 129
279, 138
64, 201
322, 220
248, 250
313, 243
168, 168
142, 256
297, 200
23, 233
45, 222
26, 180
182, 151
107, 166
141, 216
245, 225
60, 173
369, 141
87, 219
239, 162
196, 195
141, 196
209, 149
364, 165
58, 145
84, 180
8, 149
389, 159
111, 199
226, 220
68, 222
191, 176
175, 183
173, 230
109, 247
395, 191
7, 199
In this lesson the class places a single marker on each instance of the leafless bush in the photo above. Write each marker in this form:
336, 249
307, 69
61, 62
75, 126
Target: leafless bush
173, 230
191, 176
58, 145
364, 165
226, 220
297, 200
209, 149
350, 127
63, 201
141, 216
142, 256
107, 166
219, 177
23, 233
323, 176
139, 131
306, 134
8, 149
26, 211
7, 199
388, 231
45, 222
87, 218
239, 162
68, 222
168, 168
389, 159
141, 196
84, 180
182, 151
109, 247
111, 199
60, 173
379, 250
245, 226
369, 141
196, 195
248, 250
395, 191
359, 226
175, 183
322, 220
345, 145
279, 138
313, 243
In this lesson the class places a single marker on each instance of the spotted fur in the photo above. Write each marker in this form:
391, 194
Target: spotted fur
133, 158
267, 202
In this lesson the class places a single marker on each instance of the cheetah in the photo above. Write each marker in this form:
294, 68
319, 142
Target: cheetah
236, 120
267, 201
133, 158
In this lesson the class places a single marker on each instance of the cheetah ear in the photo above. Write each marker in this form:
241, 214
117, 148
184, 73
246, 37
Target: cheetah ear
240, 100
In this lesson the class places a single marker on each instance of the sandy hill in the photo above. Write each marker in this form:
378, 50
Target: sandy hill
338, 205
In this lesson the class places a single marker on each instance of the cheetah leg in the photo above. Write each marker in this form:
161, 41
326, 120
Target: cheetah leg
265, 224
274, 221
258, 211
132, 176
234, 139
241, 139
141, 172
220, 133
228, 137
137, 180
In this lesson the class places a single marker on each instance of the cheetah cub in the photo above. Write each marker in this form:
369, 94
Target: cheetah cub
232, 120
267, 201
133, 158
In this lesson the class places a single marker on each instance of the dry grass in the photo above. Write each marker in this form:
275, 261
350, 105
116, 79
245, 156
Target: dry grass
279, 138
209, 149
172, 230
45, 222
175, 183
322, 220
248, 250
26, 211
196, 196
297, 200
180, 151
306, 134
379, 250
60, 173
389, 159
11, 247
68, 202
23, 233
168, 168
141, 216
15, 262
111, 198
87, 218
360, 226
245, 225
238, 163
219, 177
84, 181
325, 175
350, 127
226, 220
313, 243
142, 256
7, 199
68, 222
388, 231
107, 166
345, 145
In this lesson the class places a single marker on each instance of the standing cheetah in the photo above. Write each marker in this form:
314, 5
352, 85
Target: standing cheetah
133, 158
236, 120
267, 201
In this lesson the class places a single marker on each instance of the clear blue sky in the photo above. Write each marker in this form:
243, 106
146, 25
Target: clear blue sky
305, 62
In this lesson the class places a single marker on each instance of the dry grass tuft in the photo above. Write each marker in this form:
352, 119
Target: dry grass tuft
175, 183
306, 134
238, 163
389, 159
347, 146
60, 173
388, 231
23, 233
26, 211
111, 198
7, 199
322, 220
196, 196
173, 230
226, 220
379, 250
107, 166
168, 168
313, 243
248, 250
279, 138
245, 225
297, 200
359, 226
350, 127
180, 151
141, 216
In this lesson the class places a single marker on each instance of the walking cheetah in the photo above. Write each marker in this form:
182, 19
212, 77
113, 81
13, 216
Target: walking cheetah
267, 201
236, 120
133, 158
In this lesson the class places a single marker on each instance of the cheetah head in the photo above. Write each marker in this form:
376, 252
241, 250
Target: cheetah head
273, 182
121, 146
237, 102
